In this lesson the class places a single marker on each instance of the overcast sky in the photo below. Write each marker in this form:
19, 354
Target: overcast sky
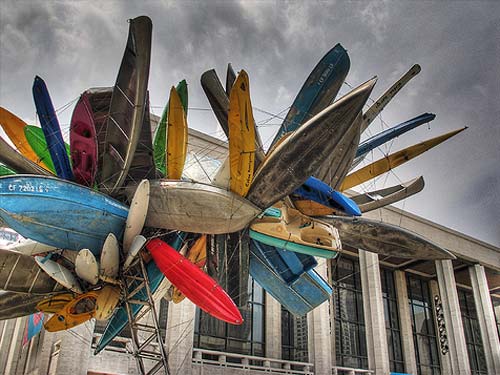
74, 45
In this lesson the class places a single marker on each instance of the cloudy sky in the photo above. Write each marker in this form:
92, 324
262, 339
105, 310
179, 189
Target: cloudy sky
74, 45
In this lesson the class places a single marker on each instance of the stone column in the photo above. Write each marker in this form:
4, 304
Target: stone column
15, 347
445, 359
318, 322
486, 317
180, 336
454, 327
407, 342
273, 327
373, 307
6, 331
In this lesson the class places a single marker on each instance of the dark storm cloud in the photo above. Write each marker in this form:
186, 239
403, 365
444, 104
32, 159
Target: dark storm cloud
76, 45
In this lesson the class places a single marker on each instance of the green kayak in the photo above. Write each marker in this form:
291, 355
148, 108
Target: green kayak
6, 171
36, 140
160, 140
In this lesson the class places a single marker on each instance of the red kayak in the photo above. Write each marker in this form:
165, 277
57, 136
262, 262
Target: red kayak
196, 285
83, 142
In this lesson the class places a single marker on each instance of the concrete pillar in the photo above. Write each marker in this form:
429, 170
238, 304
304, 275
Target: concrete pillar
273, 327
373, 307
407, 342
455, 330
318, 321
445, 359
15, 347
180, 336
6, 333
486, 318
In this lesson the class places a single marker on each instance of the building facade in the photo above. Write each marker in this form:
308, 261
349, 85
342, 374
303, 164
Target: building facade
386, 315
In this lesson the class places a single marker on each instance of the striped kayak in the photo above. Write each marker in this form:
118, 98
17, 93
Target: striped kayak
318, 91
393, 160
59, 213
51, 130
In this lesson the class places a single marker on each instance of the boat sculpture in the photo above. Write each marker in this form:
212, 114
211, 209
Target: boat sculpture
51, 130
302, 296
393, 160
15, 305
127, 108
60, 213
386, 239
286, 228
380, 198
318, 91
196, 285
241, 136
14, 128
197, 208
37, 141
283, 171
177, 137
13, 159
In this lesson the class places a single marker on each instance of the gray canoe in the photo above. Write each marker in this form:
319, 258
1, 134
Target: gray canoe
337, 165
383, 197
385, 239
13, 159
20, 273
196, 207
300, 155
128, 104
219, 101
14, 305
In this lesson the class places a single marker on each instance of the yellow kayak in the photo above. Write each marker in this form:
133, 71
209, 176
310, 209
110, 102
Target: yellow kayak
54, 304
392, 161
177, 135
77, 311
14, 128
241, 136
197, 254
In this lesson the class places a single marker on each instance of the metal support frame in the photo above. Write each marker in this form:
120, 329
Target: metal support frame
147, 342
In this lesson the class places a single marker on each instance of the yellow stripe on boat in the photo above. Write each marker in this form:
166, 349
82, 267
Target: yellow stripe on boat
241, 136
392, 161
177, 135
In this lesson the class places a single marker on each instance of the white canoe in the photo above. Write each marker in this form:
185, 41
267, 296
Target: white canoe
86, 266
136, 214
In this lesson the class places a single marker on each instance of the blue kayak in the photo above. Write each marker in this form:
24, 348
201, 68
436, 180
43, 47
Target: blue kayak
395, 131
60, 213
51, 129
319, 90
320, 192
288, 265
300, 297
120, 318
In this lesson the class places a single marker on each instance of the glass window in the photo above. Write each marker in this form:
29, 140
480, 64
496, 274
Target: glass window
294, 336
391, 313
350, 337
213, 334
422, 319
472, 332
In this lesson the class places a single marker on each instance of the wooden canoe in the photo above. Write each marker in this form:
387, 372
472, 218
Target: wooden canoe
241, 136
297, 158
393, 160
380, 198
